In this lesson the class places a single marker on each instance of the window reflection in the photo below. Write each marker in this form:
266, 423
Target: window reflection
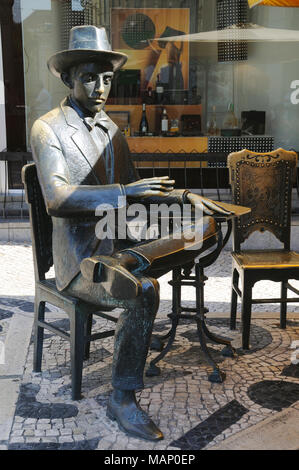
185, 78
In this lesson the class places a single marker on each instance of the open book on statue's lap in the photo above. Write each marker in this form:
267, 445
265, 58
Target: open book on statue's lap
236, 211
233, 209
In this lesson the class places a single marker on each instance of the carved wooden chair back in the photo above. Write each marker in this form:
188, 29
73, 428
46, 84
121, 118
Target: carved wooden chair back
263, 182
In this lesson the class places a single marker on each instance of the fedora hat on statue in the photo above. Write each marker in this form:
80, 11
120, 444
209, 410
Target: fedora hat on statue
87, 44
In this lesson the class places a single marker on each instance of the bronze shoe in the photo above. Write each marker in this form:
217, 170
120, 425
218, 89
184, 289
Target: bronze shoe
114, 277
133, 421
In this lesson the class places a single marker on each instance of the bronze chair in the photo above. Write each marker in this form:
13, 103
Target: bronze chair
263, 182
79, 312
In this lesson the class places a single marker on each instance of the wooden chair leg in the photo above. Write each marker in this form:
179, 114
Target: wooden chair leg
39, 315
234, 300
77, 323
246, 312
88, 327
283, 305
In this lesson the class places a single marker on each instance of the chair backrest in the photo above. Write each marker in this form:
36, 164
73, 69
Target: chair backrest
263, 182
40, 223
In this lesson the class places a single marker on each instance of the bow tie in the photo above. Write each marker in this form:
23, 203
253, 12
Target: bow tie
91, 122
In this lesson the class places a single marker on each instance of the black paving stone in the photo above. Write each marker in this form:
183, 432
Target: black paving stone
29, 407
274, 394
21, 304
291, 371
4, 314
205, 432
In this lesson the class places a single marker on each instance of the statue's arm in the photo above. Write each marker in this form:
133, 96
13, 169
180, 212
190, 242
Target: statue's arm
63, 199
159, 191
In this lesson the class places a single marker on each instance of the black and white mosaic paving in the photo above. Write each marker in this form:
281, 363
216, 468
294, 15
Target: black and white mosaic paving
8, 307
192, 412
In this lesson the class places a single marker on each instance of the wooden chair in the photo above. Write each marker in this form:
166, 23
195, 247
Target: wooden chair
263, 182
79, 312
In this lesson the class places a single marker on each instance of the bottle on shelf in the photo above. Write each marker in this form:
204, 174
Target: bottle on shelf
159, 90
127, 131
212, 123
164, 122
230, 121
186, 97
143, 127
149, 96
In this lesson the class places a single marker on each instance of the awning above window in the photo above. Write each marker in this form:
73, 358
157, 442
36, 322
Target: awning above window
274, 3
248, 32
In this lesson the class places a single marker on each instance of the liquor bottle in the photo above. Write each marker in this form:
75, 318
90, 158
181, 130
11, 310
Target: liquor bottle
127, 131
212, 123
164, 123
149, 96
143, 127
230, 121
159, 90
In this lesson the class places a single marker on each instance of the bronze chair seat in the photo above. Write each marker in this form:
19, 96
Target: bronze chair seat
267, 259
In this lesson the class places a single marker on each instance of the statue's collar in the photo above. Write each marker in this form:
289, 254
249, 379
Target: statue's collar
74, 115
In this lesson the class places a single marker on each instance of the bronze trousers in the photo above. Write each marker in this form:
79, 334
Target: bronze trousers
135, 323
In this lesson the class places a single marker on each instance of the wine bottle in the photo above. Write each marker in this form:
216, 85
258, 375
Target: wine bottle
159, 90
149, 96
164, 123
143, 127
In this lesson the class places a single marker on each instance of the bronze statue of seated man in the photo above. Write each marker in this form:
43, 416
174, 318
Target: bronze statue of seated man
83, 161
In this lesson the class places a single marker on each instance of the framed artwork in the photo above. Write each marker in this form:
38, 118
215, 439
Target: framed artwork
136, 32
120, 118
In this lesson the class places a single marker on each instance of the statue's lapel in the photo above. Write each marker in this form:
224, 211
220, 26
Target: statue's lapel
92, 156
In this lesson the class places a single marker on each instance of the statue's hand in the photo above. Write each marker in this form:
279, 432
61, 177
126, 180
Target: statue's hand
208, 206
157, 186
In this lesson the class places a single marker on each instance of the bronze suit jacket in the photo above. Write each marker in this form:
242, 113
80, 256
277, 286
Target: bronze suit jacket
62, 147
64, 153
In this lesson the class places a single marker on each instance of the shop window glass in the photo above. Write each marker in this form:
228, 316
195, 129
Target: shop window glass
204, 89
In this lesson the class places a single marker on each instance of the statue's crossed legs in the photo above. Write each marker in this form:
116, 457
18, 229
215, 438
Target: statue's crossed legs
114, 286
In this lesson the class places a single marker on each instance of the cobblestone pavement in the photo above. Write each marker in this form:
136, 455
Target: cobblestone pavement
192, 412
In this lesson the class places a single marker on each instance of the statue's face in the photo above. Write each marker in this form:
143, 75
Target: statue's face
91, 83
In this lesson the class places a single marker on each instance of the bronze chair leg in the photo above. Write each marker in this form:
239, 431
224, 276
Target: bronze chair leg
39, 308
234, 300
77, 330
246, 312
88, 327
283, 305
